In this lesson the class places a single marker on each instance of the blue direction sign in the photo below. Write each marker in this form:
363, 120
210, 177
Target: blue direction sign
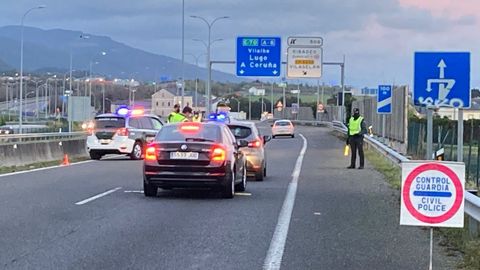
384, 99
259, 56
442, 79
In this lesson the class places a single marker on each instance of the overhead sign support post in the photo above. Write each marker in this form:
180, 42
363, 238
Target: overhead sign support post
442, 79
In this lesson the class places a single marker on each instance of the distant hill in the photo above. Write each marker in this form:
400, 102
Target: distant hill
50, 50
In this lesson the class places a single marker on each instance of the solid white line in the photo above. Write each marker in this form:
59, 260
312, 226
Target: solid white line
97, 196
133, 191
45, 168
273, 260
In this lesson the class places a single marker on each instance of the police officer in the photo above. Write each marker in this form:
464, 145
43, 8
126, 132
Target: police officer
175, 116
187, 112
356, 130
196, 117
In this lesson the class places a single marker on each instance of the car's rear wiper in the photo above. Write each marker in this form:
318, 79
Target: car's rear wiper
198, 140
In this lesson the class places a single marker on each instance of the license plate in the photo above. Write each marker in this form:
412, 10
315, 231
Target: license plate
105, 141
184, 155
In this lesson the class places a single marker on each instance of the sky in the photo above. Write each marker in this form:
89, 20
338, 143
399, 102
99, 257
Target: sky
377, 37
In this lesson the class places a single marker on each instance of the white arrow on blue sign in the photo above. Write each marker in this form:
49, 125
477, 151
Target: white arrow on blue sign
259, 56
384, 99
442, 79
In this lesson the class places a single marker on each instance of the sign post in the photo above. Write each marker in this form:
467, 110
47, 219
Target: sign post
432, 195
384, 103
442, 79
258, 56
304, 57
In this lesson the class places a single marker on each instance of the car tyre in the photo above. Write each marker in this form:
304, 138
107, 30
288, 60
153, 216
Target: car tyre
273, 136
149, 190
228, 189
293, 135
136, 151
259, 176
95, 156
243, 185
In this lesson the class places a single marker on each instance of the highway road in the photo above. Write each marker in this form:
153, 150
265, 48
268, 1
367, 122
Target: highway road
93, 215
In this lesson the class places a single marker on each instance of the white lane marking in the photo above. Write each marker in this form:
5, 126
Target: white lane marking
133, 191
273, 260
45, 168
56, 166
317, 214
243, 194
97, 196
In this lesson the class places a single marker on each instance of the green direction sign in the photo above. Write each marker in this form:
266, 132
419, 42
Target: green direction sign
250, 42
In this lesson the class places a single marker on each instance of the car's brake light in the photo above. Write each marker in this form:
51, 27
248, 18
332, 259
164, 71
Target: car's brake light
218, 154
190, 127
255, 144
122, 132
151, 153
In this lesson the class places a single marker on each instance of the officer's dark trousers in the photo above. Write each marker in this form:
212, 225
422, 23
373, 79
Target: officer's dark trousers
356, 144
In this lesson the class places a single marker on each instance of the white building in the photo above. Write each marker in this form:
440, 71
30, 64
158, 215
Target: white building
164, 100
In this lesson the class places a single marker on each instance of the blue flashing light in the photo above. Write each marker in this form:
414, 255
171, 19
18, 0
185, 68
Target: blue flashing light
212, 116
123, 111
218, 117
221, 117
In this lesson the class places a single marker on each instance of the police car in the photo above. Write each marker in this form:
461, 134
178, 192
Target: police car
125, 132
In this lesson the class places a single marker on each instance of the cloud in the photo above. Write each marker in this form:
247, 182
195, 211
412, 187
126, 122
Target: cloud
377, 37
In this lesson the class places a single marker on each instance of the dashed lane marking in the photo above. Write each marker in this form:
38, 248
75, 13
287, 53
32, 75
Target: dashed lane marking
97, 196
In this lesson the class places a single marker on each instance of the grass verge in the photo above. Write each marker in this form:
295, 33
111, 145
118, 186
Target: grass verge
453, 240
37, 165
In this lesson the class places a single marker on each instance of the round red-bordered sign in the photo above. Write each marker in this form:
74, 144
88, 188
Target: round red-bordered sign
458, 194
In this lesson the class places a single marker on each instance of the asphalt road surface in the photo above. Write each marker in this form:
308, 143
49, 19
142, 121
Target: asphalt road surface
309, 213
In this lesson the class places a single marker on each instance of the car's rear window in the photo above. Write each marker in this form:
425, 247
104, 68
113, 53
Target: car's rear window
240, 132
175, 133
282, 123
109, 122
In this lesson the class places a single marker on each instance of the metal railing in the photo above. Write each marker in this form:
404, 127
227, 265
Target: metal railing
472, 202
41, 137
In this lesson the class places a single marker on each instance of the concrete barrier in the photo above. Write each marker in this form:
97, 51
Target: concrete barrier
33, 152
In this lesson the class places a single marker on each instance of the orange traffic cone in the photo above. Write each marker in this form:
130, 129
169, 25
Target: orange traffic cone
65, 160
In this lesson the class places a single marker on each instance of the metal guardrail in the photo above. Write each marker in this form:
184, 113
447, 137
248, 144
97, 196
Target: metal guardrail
40, 137
472, 202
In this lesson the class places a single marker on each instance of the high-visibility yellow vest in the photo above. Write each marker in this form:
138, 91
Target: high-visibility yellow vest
197, 119
176, 117
355, 126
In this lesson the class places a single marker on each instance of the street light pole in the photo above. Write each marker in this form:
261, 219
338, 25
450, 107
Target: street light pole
209, 25
343, 90
196, 77
21, 65
183, 51
271, 101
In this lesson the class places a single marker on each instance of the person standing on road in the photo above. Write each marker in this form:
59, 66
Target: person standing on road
196, 117
175, 116
356, 130
187, 112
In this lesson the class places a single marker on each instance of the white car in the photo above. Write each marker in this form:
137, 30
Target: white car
122, 133
283, 128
